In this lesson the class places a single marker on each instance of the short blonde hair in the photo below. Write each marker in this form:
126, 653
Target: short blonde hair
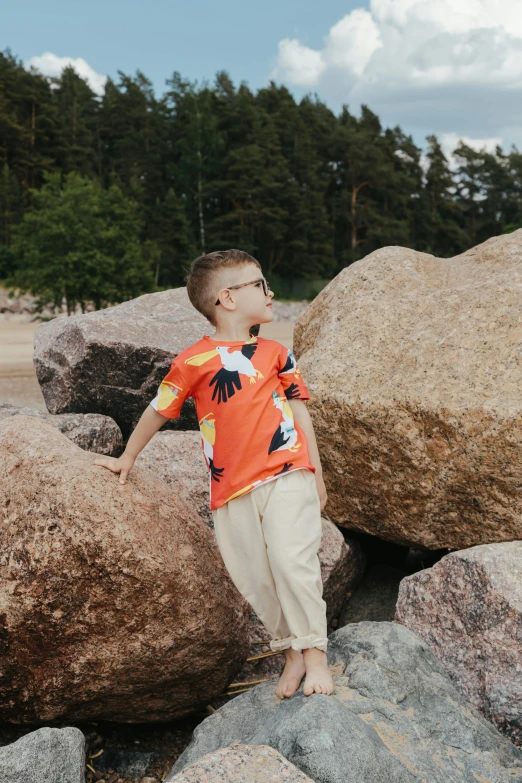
206, 275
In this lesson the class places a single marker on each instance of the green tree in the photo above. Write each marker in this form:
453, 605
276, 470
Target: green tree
444, 221
469, 186
173, 241
362, 175
77, 124
80, 244
196, 146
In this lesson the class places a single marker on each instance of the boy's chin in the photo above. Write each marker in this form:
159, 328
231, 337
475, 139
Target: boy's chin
265, 318
268, 315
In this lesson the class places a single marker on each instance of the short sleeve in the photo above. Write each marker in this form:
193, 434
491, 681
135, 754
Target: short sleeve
172, 393
290, 376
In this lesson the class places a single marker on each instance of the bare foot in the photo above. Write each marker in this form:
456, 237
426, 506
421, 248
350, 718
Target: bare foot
318, 678
292, 674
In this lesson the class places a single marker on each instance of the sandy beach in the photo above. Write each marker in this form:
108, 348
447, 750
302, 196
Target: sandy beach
18, 384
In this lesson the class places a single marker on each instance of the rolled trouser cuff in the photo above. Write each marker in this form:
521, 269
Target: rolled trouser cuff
281, 644
303, 642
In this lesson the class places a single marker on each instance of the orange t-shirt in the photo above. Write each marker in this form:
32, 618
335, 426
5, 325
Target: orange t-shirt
241, 391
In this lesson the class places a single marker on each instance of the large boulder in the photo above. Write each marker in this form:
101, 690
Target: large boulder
415, 373
468, 608
242, 764
114, 603
90, 431
394, 717
112, 361
47, 755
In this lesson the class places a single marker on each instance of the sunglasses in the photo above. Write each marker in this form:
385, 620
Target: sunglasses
266, 287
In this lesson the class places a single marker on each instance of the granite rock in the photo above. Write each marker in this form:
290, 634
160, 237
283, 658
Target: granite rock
414, 365
177, 458
375, 597
114, 602
47, 755
90, 431
242, 764
394, 717
112, 361
468, 609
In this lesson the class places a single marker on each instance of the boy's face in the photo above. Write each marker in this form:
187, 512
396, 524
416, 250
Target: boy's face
251, 302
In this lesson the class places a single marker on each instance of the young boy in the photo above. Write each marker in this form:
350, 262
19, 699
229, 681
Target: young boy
265, 475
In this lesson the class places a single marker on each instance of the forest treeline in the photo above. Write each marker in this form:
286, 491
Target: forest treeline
103, 198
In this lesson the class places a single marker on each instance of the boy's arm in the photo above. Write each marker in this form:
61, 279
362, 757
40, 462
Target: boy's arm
302, 417
150, 422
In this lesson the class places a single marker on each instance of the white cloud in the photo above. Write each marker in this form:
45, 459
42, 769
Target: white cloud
51, 65
449, 142
442, 66
301, 65
352, 41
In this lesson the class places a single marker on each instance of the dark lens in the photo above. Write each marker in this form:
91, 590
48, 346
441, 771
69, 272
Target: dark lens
266, 287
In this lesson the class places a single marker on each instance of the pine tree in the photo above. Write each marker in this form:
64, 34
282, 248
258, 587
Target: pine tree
444, 220
77, 109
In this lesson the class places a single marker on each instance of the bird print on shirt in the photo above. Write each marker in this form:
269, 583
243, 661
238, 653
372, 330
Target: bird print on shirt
285, 436
166, 395
291, 368
207, 428
235, 363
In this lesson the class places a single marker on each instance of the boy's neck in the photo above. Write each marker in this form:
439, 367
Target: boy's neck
231, 336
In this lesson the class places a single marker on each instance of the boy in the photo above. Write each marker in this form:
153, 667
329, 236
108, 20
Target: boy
265, 475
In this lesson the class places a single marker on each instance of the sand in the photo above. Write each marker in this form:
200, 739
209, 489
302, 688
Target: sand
18, 384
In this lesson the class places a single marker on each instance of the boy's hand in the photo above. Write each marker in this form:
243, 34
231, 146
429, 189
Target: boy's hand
321, 489
121, 465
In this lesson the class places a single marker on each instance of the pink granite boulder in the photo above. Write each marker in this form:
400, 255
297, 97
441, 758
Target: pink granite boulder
239, 763
114, 602
90, 431
468, 608
415, 373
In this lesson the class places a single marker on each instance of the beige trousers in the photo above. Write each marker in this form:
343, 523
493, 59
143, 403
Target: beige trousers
269, 539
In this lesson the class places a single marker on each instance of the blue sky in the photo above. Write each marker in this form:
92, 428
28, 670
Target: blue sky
195, 37
450, 67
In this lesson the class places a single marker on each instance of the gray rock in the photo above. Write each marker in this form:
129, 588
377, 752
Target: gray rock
46, 755
342, 566
112, 361
395, 716
468, 609
90, 431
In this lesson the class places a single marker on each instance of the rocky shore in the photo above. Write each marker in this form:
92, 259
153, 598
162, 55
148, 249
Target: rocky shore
126, 653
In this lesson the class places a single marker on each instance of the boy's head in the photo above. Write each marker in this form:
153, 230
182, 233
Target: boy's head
210, 279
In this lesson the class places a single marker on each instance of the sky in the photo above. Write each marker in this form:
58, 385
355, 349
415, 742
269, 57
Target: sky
449, 67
